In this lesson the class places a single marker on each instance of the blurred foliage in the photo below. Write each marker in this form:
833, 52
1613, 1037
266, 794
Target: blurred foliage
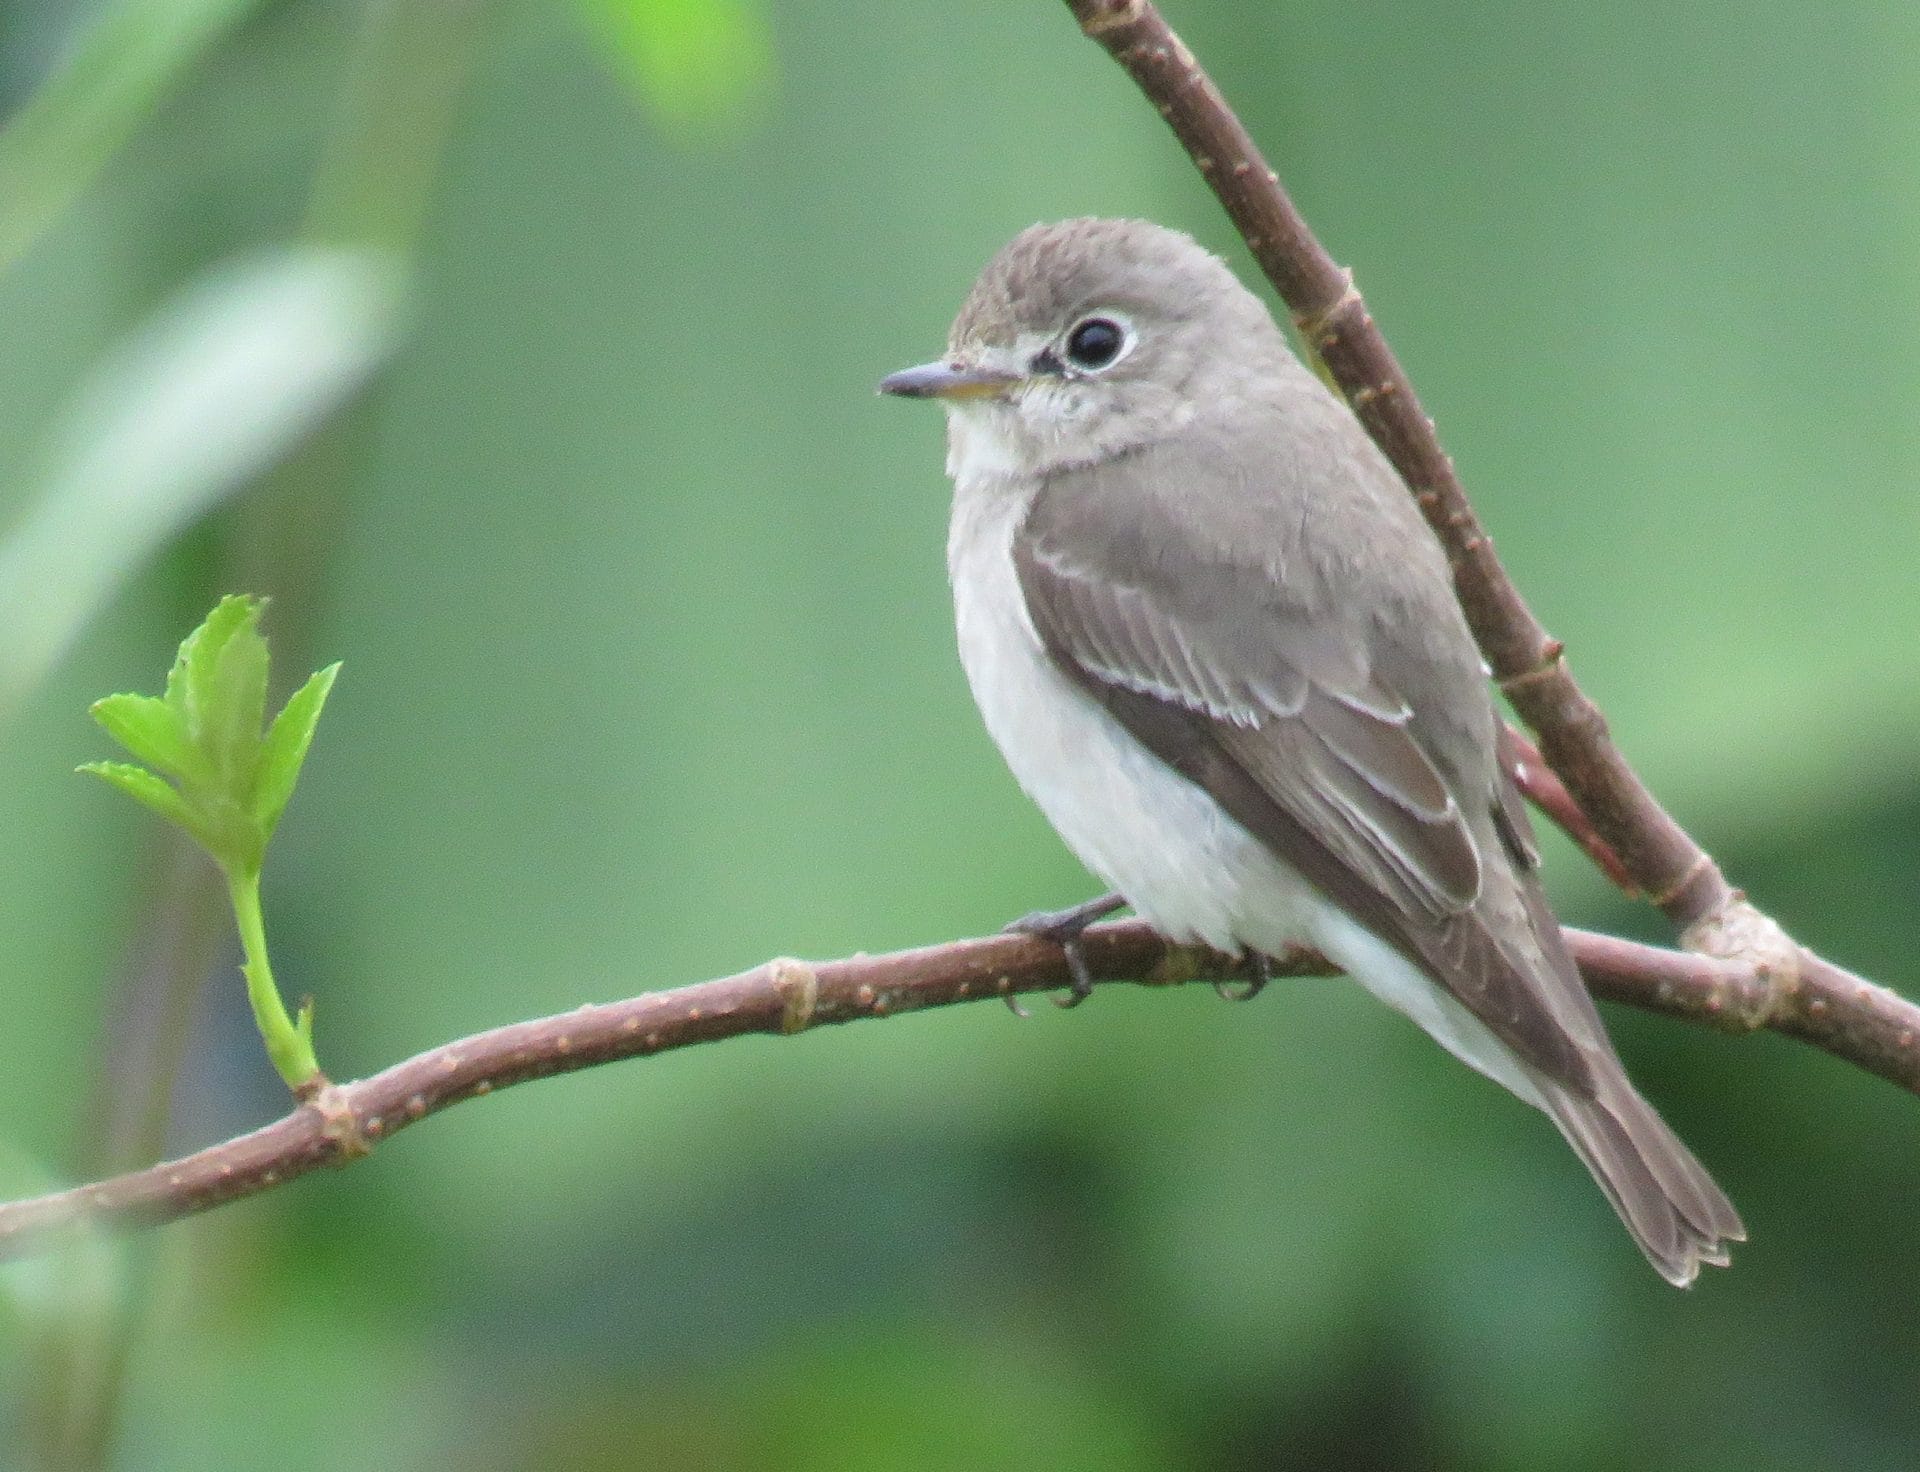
120, 62
698, 62
642, 591
191, 406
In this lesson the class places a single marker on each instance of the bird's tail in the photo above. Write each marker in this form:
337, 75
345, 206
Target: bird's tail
1669, 1203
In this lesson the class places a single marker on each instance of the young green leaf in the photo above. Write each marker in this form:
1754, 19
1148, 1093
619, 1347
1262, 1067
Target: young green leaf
193, 666
285, 749
233, 780
152, 791
151, 729
230, 698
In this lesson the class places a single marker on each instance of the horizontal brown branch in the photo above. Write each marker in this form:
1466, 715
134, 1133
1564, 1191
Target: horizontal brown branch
1864, 1025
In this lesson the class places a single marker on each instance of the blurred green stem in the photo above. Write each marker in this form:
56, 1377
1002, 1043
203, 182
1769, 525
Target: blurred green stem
123, 61
375, 178
289, 1043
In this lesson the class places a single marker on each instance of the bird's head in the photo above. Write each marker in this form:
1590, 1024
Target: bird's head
1089, 338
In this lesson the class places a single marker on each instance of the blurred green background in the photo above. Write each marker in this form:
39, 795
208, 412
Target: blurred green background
524, 353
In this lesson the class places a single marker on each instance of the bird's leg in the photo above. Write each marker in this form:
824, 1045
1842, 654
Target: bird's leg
1063, 928
1259, 967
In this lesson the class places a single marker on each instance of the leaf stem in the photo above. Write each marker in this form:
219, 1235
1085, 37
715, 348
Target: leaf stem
289, 1044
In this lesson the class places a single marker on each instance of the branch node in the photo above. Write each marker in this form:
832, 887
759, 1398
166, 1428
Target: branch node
1553, 657
1110, 18
1702, 861
339, 1125
799, 987
1316, 325
1738, 931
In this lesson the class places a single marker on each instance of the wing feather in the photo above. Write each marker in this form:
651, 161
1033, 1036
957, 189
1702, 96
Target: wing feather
1307, 747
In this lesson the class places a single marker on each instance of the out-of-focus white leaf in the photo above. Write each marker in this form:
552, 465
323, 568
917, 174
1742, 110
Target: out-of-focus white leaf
222, 381
77, 1283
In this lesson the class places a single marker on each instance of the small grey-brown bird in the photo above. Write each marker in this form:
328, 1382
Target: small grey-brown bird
1218, 646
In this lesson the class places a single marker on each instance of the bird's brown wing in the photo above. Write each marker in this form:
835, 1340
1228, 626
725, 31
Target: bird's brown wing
1215, 666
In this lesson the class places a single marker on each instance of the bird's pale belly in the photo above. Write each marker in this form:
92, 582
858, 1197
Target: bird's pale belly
1182, 863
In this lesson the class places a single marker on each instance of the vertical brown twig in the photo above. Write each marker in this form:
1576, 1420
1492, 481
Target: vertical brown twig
1663, 861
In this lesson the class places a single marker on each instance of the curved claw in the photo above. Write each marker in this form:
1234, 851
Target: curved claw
1063, 928
1260, 972
1082, 986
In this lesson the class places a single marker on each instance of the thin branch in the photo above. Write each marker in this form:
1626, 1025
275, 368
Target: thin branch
1664, 861
1657, 855
1871, 1028
1545, 790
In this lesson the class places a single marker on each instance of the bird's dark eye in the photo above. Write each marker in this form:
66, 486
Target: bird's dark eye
1095, 342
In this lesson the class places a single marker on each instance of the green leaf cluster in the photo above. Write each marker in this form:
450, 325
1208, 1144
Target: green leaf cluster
218, 769
210, 767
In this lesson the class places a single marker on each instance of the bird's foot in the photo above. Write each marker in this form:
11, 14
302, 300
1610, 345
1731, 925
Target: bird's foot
1259, 967
1064, 928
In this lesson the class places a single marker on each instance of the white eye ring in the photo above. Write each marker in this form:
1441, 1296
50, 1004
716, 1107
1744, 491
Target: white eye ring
1096, 342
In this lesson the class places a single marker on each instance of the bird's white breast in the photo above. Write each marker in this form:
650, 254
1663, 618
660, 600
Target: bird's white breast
1135, 822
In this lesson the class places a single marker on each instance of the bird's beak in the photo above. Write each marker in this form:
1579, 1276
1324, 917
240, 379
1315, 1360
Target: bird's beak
947, 381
